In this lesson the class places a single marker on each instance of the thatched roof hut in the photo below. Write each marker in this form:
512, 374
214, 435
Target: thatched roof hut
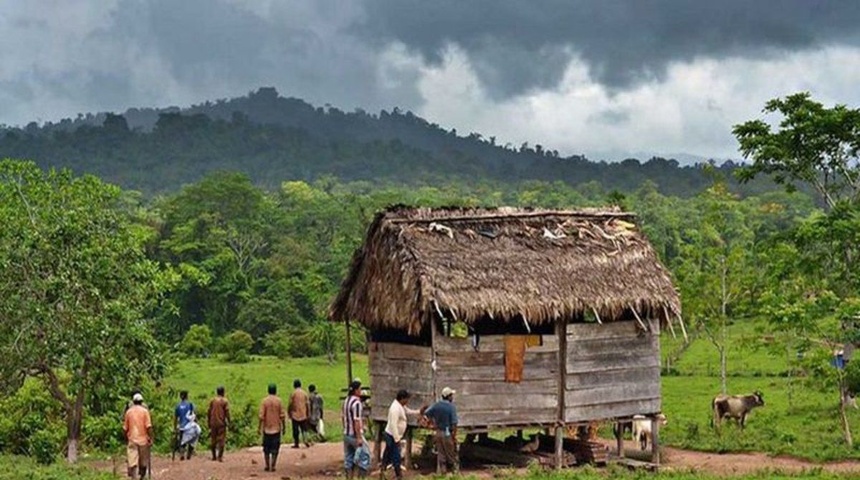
541, 265
558, 312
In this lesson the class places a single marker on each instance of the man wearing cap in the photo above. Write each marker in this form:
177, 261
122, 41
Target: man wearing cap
394, 431
137, 426
444, 416
353, 429
272, 425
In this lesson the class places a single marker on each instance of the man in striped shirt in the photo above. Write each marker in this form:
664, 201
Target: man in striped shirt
353, 429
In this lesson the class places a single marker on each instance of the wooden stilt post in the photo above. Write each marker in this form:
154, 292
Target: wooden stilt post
655, 440
619, 439
561, 331
349, 376
377, 444
407, 455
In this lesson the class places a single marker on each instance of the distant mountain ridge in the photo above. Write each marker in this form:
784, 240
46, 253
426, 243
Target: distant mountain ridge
273, 138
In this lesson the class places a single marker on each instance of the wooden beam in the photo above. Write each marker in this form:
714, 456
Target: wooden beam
655, 440
669, 321
349, 376
641, 323
561, 331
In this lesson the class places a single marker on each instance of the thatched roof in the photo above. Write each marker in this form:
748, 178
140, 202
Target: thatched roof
469, 264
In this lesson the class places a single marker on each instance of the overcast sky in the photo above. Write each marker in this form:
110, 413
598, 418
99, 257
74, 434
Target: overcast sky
596, 76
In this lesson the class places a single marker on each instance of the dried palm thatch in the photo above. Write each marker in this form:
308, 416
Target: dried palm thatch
505, 263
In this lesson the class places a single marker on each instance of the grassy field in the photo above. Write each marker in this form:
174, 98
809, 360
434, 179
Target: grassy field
246, 383
795, 421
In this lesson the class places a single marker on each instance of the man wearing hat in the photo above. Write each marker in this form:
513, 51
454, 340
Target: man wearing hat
394, 431
353, 428
443, 414
137, 426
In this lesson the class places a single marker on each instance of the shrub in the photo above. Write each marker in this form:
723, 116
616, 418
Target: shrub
237, 346
44, 446
197, 341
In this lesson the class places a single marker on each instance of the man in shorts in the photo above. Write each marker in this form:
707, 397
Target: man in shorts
137, 425
273, 424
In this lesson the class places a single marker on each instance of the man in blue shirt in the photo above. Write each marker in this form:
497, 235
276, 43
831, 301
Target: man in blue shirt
443, 414
181, 417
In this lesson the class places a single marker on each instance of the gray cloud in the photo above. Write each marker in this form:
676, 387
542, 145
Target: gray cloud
624, 42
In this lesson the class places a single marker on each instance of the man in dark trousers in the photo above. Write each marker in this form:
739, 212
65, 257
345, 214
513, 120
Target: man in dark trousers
443, 414
395, 429
219, 419
298, 409
273, 424
353, 428
315, 417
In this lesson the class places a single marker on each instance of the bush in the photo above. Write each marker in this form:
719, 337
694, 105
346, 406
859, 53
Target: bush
197, 341
44, 447
290, 343
237, 346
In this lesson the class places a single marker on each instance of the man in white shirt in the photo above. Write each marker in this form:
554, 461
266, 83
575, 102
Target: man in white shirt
394, 432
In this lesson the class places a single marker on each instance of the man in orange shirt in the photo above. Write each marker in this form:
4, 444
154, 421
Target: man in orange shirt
137, 426
298, 409
273, 424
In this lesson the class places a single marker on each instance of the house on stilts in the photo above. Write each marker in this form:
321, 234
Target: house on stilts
537, 318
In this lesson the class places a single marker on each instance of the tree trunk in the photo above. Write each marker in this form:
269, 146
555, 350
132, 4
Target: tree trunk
846, 427
723, 369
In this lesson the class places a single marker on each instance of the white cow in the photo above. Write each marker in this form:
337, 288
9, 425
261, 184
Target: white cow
642, 429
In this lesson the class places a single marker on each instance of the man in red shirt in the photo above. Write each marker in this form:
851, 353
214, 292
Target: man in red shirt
137, 426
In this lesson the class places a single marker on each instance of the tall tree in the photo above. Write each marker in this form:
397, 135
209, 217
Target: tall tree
816, 146
713, 267
75, 287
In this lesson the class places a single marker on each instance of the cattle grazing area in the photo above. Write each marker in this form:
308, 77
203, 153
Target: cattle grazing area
796, 420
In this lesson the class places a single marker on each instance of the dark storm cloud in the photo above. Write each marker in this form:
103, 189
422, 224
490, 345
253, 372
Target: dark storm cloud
518, 45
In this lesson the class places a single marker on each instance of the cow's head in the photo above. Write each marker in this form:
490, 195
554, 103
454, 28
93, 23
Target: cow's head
759, 401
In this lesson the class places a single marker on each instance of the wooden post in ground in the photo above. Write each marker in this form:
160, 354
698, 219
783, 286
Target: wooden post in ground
561, 331
655, 440
377, 444
349, 376
407, 455
619, 438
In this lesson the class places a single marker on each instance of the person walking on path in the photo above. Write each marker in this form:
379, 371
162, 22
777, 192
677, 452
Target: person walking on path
443, 414
353, 428
315, 417
273, 424
137, 425
394, 431
298, 409
181, 415
218, 418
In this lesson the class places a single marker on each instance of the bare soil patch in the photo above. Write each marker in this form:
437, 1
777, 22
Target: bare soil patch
325, 461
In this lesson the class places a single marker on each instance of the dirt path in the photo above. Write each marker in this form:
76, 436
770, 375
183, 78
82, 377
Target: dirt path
324, 461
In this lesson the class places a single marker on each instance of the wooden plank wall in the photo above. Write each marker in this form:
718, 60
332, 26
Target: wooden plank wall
613, 370
394, 366
483, 397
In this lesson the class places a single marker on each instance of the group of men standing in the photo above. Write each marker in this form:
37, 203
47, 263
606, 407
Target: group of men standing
137, 425
441, 416
305, 411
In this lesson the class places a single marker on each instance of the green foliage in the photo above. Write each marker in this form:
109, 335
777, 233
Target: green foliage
237, 346
75, 286
197, 341
13, 467
32, 422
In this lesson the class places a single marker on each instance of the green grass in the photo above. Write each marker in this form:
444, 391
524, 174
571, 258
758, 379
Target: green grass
750, 353
19, 468
246, 383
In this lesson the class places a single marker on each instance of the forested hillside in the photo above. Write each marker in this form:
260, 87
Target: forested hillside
271, 139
